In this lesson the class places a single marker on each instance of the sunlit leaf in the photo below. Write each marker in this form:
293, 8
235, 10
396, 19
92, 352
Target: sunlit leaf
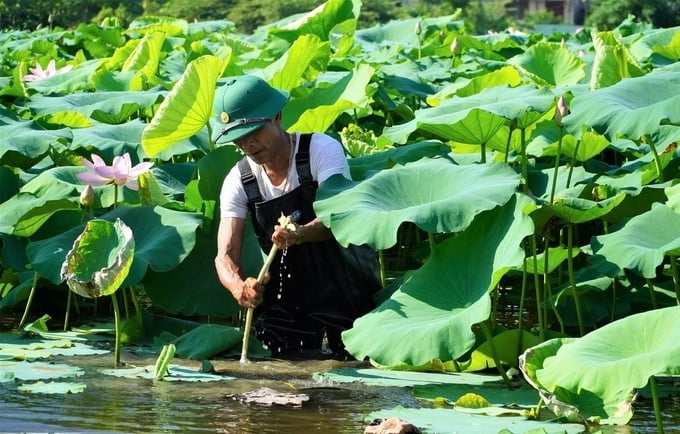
430, 316
52, 387
641, 244
187, 108
435, 194
100, 259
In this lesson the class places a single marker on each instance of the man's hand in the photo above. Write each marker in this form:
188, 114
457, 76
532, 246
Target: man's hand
287, 233
250, 293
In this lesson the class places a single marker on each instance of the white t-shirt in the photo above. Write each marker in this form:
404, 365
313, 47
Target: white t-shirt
326, 158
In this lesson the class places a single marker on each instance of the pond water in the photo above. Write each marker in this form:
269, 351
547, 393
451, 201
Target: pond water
120, 405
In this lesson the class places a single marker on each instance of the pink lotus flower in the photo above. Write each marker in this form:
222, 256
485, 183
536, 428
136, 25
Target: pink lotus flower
120, 172
39, 73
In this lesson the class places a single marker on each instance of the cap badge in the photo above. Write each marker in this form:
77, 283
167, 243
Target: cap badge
224, 117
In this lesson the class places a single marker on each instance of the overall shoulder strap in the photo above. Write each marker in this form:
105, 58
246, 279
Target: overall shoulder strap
304, 170
249, 182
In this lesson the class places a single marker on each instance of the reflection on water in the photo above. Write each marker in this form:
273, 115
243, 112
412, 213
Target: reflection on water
119, 405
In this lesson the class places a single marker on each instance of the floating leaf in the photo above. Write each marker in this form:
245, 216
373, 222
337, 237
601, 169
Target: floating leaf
175, 373
52, 387
40, 370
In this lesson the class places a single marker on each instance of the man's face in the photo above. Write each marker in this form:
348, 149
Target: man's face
261, 145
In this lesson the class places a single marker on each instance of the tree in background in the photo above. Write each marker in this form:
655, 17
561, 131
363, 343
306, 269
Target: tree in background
480, 16
608, 14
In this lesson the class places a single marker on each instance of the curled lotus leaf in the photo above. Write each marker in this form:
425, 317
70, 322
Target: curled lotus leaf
100, 259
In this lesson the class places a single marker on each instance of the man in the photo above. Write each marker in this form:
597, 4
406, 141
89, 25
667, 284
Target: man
319, 287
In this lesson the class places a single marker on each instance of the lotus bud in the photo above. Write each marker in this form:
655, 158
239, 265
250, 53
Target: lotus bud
561, 111
442, 36
563, 43
87, 197
454, 45
419, 28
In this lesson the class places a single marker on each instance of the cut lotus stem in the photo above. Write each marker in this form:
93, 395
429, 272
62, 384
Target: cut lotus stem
249, 313
288, 224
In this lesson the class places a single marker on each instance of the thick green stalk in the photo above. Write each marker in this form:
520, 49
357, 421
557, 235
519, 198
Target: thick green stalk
520, 318
572, 278
482, 158
652, 292
676, 277
116, 321
573, 163
553, 187
381, 264
655, 400
657, 160
30, 300
494, 353
69, 297
547, 290
537, 285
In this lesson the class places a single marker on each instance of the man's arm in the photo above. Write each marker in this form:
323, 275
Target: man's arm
246, 291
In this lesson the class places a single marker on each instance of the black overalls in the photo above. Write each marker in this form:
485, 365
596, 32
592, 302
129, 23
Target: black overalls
321, 287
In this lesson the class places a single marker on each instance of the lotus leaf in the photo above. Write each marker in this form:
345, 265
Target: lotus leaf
430, 316
52, 387
100, 259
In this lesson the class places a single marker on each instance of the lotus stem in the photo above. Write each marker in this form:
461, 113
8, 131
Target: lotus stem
676, 277
657, 160
381, 265
116, 322
537, 287
520, 316
573, 163
652, 292
655, 400
572, 278
30, 300
482, 158
525, 176
547, 290
494, 353
557, 166
249, 312
69, 297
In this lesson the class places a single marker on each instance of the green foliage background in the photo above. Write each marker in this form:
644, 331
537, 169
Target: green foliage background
249, 14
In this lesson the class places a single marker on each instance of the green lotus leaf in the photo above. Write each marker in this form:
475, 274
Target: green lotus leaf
605, 366
361, 167
163, 239
320, 21
31, 371
641, 244
445, 420
318, 110
303, 60
70, 82
550, 63
100, 259
175, 373
571, 205
430, 316
107, 107
477, 118
613, 62
435, 194
52, 387
26, 142
187, 109
632, 108
383, 378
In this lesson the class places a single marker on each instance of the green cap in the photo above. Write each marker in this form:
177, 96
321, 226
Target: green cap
244, 104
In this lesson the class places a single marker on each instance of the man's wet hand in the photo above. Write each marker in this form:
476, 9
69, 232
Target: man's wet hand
251, 293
